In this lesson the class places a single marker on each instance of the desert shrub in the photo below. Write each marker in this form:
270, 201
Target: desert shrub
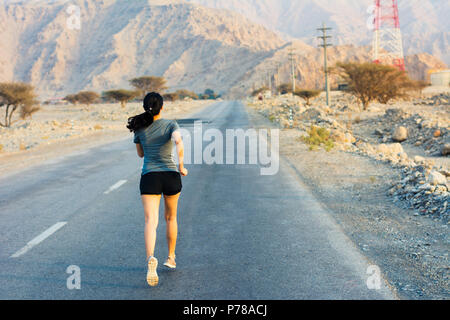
318, 137
87, 97
307, 94
285, 88
148, 84
256, 92
419, 85
209, 94
370, 82
27, 111
71, 98
171, 96
183, 93
121, 95
14, 96
83, 97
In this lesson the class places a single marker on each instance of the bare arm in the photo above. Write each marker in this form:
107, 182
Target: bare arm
140, 150
176, 137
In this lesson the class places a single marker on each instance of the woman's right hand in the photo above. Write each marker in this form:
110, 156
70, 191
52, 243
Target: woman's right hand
183, 171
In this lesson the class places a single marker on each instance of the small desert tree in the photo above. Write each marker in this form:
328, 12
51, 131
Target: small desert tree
370, 82
285, 88
183, 93
307, 94
28, 110
210, 94
173, 96
148, 84
419, 86
71, 98
17, 95
121, 95
87, 97
256, 92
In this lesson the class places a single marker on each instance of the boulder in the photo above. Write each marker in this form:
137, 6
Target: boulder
390, 149
419, 159
445, 151
395, 114
343, 137
310, 114
379, 133
400, 134
436, 178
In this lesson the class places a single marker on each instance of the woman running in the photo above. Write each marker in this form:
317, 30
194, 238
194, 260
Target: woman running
153, 137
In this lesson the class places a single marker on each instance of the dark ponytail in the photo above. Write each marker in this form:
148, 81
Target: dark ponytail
153, 102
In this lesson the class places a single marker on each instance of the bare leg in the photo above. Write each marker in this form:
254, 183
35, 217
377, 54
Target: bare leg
170, 214
151, 210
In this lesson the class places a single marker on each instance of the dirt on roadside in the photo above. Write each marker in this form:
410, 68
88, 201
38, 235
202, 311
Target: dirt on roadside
59, 130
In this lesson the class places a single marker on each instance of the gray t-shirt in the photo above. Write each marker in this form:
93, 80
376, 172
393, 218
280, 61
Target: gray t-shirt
157, 144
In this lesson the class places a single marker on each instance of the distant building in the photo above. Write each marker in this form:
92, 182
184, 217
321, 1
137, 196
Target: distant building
440, 78
342, 86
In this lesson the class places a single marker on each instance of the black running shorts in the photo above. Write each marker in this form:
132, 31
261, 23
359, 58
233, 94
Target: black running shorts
165, 182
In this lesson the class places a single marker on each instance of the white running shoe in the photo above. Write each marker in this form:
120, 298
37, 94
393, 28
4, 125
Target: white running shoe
152, 275
170, 262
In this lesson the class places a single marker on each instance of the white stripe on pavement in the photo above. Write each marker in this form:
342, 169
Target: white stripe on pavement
115, 186
44, 235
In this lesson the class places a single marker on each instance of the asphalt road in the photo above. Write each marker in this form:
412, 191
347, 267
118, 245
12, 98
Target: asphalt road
242, 235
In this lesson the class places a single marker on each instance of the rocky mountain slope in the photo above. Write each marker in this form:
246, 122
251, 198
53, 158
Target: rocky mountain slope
309, 66
192, 46
424, 23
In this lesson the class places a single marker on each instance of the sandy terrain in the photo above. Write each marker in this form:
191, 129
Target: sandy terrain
410, 248
420, 156
59, 130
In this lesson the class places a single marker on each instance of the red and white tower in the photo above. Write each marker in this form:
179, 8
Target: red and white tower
387, 43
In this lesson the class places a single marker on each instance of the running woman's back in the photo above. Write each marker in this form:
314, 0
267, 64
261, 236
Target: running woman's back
157, 145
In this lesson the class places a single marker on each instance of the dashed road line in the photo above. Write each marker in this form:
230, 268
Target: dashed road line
115, 186
44, 235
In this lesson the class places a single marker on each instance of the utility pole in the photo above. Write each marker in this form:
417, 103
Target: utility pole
291, 59
269, 76
324, 45
277, 77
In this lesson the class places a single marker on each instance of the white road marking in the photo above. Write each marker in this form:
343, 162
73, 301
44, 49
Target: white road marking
44, 235
115, 186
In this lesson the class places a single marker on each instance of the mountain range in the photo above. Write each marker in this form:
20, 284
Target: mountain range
191, 45
425, 24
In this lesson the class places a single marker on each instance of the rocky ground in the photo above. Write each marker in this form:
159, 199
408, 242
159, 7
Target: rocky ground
413, 137
382, 192
56, 130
